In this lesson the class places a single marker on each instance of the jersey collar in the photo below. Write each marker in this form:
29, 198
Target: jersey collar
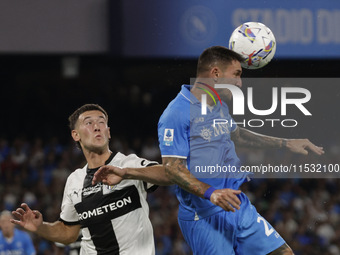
185, 92
92, 170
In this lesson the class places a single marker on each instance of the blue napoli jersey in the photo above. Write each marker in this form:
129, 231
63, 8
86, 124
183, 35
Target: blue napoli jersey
21, 244
204, 141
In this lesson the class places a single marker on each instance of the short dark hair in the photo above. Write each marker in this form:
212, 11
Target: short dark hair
218, 55
85, 108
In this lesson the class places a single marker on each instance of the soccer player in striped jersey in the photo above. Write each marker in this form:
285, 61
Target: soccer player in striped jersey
113, 219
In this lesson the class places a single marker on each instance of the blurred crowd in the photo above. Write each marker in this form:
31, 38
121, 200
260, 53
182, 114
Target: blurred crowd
305, 211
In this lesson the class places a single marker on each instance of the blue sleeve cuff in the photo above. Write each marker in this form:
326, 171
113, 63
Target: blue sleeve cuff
208, 192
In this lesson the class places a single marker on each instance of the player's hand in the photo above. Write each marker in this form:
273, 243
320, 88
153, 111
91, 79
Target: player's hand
26, 218
226, 198
302, 146
109, 175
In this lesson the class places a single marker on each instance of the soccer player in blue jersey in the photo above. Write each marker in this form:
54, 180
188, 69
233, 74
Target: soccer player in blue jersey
13, 240
214, 215
188, 139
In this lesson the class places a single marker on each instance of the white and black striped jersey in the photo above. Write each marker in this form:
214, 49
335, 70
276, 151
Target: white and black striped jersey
114, 219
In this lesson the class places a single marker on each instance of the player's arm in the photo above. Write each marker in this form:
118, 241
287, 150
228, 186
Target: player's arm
177, 172
247, 138
33, 221
59, 232
111, 175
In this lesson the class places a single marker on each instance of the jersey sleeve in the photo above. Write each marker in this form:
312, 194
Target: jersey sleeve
68, 215
173, 133
150, 187
133, 160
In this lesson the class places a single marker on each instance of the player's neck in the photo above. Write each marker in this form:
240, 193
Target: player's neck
95, 159
9, 236
200, 87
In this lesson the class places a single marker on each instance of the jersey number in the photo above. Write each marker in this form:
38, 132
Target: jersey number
268, 231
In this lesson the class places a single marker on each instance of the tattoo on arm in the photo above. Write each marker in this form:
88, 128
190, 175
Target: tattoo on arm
177, 172
246, 138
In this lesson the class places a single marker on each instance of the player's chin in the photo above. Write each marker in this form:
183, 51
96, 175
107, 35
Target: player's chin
98, 148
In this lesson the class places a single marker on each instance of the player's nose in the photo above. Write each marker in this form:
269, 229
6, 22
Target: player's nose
96, 127
239, 82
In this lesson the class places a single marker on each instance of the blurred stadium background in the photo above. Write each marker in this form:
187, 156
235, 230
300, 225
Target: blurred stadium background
131, 57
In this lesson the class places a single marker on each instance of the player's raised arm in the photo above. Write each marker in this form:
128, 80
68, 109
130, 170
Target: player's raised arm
244, 137
112, 175
32, 220
176, 171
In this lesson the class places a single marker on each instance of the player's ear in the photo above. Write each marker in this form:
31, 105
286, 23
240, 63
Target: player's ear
109, 133
215, 72
75, 135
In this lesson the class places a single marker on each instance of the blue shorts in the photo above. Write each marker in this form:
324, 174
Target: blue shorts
243, 232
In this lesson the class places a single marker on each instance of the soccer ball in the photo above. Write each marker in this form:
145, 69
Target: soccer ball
255, 42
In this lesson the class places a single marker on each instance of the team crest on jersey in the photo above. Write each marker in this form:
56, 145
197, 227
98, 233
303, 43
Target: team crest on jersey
168, 139
108, 188
206, 134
